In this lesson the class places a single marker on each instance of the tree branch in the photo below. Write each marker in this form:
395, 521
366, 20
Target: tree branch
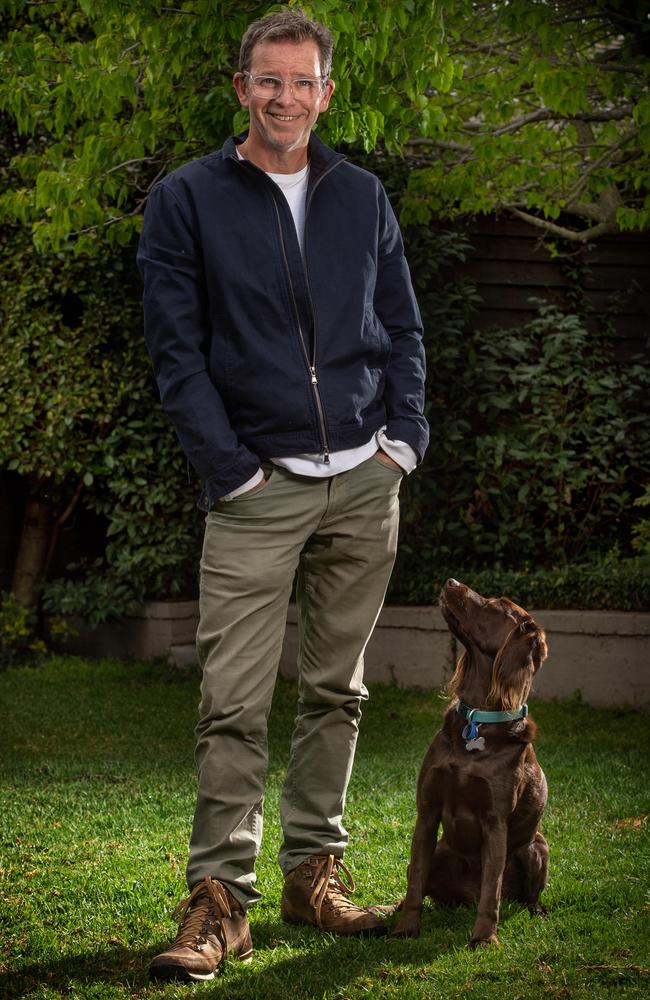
586, 210
58, 524
129, 49
456, 147
575, 236
545, 115
580, 185
130, 163
113, 219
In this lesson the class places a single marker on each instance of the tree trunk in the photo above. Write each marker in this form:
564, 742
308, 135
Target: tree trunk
32, 552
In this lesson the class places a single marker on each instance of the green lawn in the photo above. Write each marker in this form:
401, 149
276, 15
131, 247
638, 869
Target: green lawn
97, 790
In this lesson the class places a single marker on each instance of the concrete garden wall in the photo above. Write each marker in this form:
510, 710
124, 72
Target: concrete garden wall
156, 628
605, 655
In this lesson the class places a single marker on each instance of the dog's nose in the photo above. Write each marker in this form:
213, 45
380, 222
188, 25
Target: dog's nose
452, 583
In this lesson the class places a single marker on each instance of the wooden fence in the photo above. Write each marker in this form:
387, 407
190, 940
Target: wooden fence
510, 265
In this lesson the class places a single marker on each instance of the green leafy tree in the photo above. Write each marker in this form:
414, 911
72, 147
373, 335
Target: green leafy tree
119, 95
540, 108
548, 118
533, 106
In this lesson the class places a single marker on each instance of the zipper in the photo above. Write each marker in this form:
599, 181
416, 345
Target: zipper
314, 377
311, 362
321, 415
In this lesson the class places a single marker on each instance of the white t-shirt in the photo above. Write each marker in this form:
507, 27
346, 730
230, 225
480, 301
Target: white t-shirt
294, 189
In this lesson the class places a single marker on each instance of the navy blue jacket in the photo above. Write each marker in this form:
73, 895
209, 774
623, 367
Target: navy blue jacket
259, 353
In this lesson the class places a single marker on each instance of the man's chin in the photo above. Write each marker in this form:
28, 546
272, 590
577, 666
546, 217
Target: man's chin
282, 135
288, 144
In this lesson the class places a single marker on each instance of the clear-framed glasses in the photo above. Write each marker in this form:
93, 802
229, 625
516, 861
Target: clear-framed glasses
304, 88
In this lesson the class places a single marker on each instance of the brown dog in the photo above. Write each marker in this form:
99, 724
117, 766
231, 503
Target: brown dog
480, 778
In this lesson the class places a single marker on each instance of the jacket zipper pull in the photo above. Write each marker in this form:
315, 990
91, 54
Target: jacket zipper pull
314, 382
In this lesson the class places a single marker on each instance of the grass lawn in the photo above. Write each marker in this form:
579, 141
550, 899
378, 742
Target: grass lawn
96, 800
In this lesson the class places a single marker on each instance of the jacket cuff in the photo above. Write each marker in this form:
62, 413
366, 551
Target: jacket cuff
413, 431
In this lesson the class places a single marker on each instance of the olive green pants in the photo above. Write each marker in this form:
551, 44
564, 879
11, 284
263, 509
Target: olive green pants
339, 535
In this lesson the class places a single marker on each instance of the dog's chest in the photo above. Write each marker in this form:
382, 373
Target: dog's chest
475, 783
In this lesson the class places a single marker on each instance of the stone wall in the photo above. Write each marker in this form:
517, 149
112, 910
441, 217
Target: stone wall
605, 655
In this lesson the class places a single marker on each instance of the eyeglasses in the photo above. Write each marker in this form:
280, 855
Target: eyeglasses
269, 87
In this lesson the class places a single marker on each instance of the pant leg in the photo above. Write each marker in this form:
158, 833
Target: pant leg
343, 575
250, 553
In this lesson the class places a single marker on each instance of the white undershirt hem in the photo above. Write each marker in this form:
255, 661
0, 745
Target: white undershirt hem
339, 461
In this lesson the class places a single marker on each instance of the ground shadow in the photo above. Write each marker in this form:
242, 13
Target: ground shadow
324, 964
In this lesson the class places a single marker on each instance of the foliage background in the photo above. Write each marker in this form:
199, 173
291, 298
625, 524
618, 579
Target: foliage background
540, 106
539, 450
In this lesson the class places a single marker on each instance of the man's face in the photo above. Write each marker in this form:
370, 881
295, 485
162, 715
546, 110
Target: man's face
283, 123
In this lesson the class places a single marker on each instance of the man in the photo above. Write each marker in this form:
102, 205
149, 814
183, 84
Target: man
287, 346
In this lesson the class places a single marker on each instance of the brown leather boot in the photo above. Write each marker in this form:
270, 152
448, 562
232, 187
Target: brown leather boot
314, 893
212, 925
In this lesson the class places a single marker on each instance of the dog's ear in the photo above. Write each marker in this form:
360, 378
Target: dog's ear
458, 676
520, 657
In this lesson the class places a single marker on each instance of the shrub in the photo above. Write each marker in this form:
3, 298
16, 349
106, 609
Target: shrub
641, 530
539, 447
18, 641
557, 450
81, 423
607, 584
153, 526
537, 451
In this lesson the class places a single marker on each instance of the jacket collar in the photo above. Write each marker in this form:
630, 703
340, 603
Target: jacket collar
321, 157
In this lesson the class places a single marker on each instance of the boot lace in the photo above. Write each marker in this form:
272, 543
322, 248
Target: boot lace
330, 889
202, 913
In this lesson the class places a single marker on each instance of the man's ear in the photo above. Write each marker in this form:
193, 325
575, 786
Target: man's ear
328, 90
241, 89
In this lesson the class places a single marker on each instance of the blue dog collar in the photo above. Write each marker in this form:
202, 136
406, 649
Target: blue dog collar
475, 715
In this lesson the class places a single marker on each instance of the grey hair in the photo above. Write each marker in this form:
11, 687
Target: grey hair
288, 25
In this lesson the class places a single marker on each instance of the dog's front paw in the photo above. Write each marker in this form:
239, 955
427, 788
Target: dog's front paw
483, 942
407, 927
537, 910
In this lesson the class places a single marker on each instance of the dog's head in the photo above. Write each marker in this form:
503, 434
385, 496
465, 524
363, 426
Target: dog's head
504, 647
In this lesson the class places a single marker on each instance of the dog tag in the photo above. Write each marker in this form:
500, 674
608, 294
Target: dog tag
478, 743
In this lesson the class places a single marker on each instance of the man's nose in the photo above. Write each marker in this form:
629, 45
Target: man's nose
286, 95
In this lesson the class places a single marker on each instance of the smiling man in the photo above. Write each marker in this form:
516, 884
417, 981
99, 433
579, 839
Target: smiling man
286, 342
285, 92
